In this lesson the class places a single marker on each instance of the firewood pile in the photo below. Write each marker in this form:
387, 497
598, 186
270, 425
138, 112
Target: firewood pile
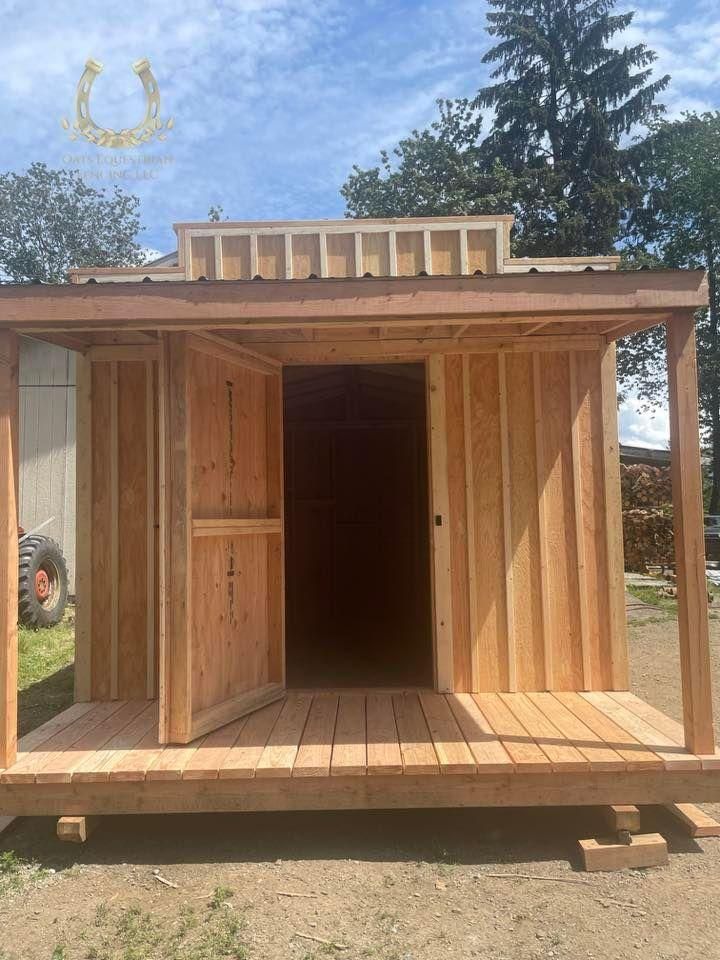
647, 517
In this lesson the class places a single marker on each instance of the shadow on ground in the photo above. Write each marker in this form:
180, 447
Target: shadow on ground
43, 700
464, 836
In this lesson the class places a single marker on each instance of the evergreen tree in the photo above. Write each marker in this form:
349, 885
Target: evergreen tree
563, 101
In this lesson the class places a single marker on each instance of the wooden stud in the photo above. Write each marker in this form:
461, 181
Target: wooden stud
464, 251
114, 532
358, 254
694, 821
253, 255
689, 535
9, 466
644, 850
75, 829
84, 529
392, 253
579, 525
542, 541
622, 817
322, 239
427, 252
442, 574
288, 257
613, 522
175, 647
507, 522
150, 524
470, 522
218, 257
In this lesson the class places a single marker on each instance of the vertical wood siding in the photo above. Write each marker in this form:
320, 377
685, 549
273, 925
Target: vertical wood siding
528, 506
117, 617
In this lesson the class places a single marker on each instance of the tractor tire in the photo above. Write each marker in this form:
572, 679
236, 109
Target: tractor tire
43, 584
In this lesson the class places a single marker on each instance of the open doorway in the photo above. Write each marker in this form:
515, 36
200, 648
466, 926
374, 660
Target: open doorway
358, 608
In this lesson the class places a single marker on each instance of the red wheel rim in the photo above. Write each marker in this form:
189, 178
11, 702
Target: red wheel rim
42, 585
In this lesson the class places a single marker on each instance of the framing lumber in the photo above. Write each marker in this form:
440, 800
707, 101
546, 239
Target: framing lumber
9, 466
644, 850
397, 301
175, 667
440, 546
84, 531
689, 535
622, 817
75, 829
619, 670
694, 821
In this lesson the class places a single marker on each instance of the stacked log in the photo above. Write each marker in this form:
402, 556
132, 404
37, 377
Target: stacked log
647, 517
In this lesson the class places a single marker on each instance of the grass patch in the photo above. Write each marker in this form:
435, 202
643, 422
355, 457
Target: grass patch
135, 934
45, 671
15, 873
654, 596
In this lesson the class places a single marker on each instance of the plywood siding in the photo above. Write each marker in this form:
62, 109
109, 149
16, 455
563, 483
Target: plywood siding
524, 479
229, 451
117, 565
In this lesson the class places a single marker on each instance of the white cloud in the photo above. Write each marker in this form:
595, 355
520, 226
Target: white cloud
643, 428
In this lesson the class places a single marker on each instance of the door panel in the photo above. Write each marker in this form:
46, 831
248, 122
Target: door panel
224, 644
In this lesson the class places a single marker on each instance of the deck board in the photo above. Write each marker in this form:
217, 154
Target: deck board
349, 752
635, 754
490, 755
519, 743
674, 757
278, 757
383, 747
96, 768
350, 734
416, 744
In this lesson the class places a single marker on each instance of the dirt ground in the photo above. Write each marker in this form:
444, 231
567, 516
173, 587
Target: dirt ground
393, 886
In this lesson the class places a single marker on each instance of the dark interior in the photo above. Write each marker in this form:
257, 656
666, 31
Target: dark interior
356, 528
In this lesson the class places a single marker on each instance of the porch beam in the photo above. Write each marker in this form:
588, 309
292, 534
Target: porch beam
9, 464
689, 534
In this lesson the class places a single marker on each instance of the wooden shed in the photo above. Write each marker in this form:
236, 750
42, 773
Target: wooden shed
349, 528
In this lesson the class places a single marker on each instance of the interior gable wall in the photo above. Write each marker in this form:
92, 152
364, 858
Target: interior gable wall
526, 512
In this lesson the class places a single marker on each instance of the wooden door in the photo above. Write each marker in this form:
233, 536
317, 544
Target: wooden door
222, 640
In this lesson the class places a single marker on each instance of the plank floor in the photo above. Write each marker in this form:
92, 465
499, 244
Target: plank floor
364, 733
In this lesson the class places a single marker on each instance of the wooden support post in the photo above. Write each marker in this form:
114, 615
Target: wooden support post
75, 829
624, 817
689, 535
644, 850
176, 542
693, 820
9, 463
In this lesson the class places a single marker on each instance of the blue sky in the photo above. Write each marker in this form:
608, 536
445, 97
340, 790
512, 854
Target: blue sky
274, 100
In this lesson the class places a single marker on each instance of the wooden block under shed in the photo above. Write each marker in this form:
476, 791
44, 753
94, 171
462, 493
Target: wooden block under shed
5, 823
695, 821
644, 850
75, 829
622, 817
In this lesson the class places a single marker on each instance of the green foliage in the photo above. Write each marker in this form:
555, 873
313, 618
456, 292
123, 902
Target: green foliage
563, 99
678, 225
435, 172
51, 221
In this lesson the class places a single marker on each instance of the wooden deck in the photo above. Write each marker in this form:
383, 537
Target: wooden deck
369, 749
